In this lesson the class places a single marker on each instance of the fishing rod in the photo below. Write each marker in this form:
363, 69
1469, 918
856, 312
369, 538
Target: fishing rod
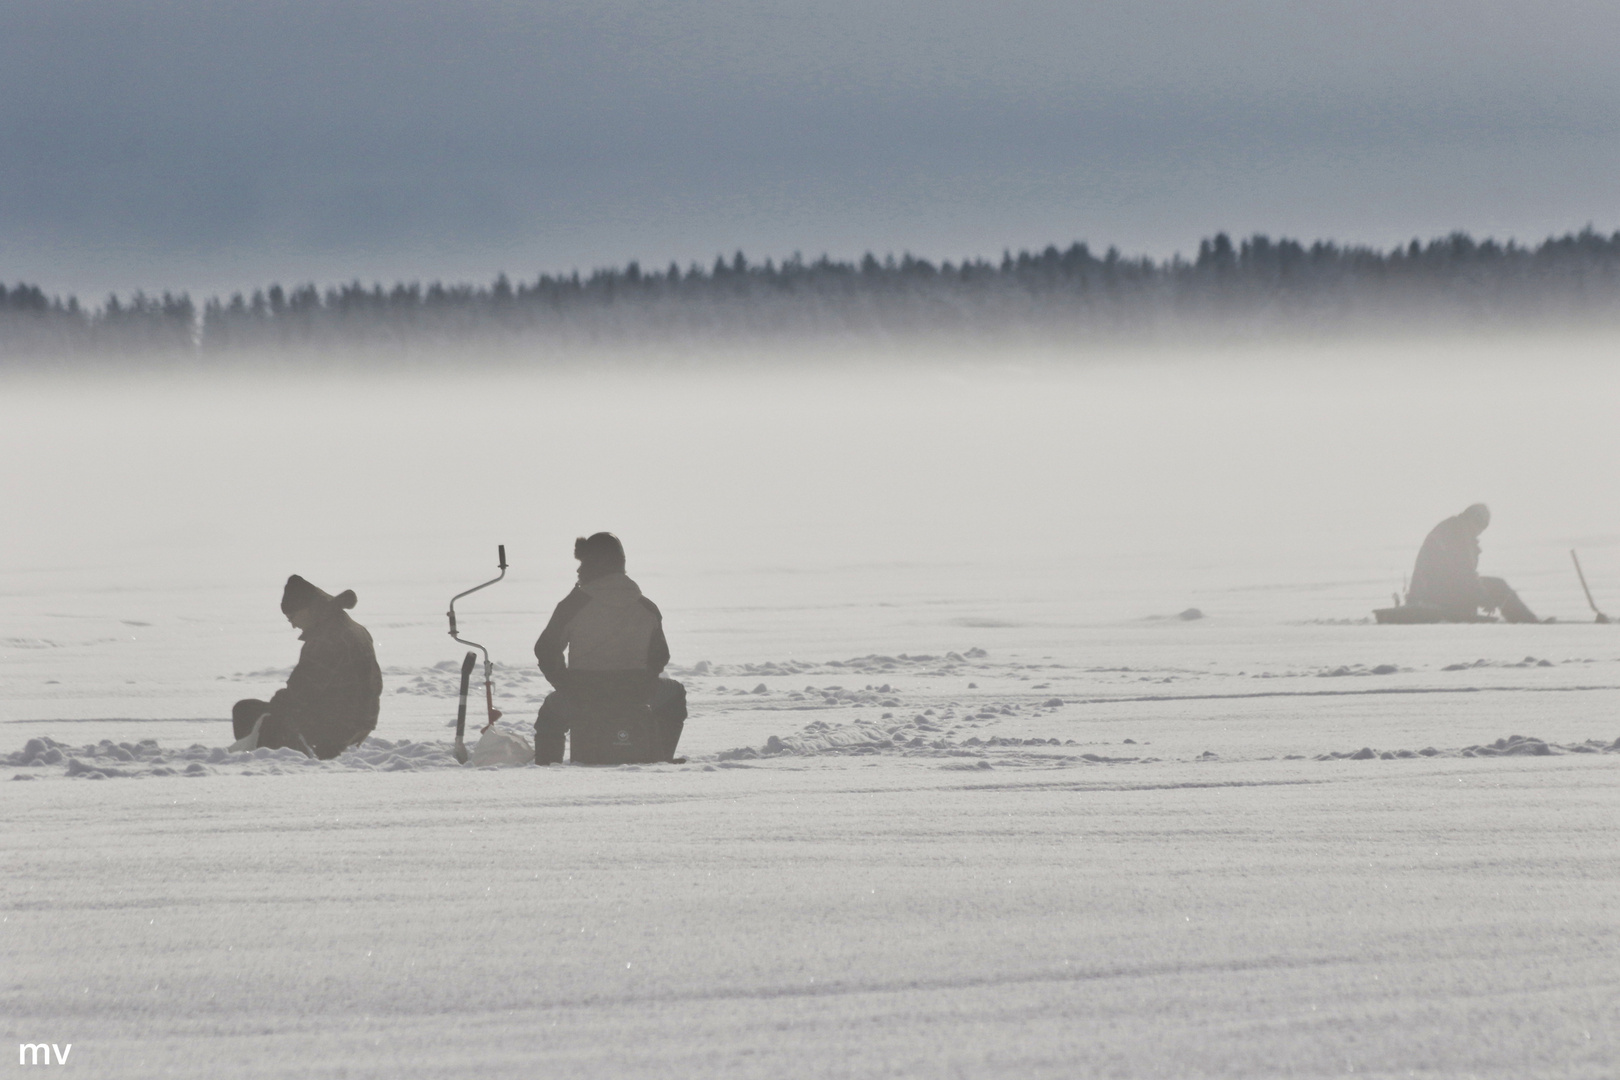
467, 665
1602, 618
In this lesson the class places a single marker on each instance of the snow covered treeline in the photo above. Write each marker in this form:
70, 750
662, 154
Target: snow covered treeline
1253, 286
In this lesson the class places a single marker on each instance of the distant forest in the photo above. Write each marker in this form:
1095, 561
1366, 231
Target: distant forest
1257, 285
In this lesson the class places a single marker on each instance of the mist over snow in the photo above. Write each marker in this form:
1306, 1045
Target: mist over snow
1094, 487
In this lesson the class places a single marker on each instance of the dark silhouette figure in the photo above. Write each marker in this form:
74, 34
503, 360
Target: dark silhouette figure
1446, 576
330, 701
609, 694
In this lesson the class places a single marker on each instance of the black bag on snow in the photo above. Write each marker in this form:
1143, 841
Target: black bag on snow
625, 735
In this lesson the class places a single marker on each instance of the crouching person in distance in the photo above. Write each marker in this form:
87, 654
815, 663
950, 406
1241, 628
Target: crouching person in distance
609, 694
330, 701
1447, 579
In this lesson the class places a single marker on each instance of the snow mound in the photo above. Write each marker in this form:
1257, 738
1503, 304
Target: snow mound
107, 760
873, 664
1344, 670
918, 737
1510, 746
1529, 661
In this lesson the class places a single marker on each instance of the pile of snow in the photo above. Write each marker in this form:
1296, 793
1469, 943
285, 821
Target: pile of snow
1529, 661
920, 737
1357, 669
1510, 746
107, 760
873, 663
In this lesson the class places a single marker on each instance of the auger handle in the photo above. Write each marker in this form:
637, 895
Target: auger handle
460, 748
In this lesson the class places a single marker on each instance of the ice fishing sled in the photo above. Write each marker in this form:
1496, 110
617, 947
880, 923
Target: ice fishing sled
1410, 614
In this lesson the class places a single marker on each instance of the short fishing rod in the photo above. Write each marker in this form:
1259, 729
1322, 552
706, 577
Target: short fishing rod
1602, 618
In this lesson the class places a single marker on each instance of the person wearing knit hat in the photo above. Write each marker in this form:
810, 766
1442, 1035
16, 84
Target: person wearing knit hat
1446, 577
611, 700
331, 699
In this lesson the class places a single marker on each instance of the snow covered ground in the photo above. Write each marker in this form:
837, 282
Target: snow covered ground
965, 797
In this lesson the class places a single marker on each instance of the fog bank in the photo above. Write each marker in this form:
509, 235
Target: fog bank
1124, 487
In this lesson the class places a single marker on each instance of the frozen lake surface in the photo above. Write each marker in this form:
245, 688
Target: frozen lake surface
965, 796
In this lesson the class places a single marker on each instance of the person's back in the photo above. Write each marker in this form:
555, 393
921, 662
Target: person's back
611, 631
613, 637
335, 692
1446, 575
332, 697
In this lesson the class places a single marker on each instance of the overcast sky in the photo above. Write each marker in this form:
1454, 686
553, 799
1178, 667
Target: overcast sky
217, 145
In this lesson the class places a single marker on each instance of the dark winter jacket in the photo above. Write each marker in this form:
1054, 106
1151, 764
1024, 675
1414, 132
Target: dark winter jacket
1447, 571
611, 633
332, 696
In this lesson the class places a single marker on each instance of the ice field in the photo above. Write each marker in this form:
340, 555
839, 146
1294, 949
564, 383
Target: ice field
966, 795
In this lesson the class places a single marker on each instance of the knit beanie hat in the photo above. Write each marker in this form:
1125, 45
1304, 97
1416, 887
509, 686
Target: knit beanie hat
301, 594
600, 551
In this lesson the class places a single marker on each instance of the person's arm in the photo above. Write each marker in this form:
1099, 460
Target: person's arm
657, 646
321, 665
548, 648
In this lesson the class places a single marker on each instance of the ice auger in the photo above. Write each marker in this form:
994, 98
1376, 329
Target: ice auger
467, 666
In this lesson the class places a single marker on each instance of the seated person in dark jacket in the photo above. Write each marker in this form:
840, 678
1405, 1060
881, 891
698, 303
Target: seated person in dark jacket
608, 690
1446, 576
331, 698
